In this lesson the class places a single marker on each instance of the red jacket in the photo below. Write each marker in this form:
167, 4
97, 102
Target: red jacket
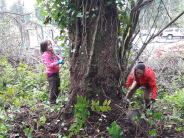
147, 79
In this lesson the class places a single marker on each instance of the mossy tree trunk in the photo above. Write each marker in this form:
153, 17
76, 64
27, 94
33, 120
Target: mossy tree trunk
95, 70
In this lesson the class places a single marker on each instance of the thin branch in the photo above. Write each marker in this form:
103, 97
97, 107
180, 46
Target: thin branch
152, 37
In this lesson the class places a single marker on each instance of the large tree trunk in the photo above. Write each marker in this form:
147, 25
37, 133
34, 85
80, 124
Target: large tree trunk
93, 55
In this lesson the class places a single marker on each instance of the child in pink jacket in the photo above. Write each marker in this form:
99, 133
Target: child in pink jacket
52, 61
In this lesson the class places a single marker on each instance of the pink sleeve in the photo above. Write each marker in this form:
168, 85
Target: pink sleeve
58, 58
47, 61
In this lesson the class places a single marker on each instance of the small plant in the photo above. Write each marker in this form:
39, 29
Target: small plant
115, 131
81, 112
153, 132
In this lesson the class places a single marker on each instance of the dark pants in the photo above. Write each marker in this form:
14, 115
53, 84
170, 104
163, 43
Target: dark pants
136, 86
54, 84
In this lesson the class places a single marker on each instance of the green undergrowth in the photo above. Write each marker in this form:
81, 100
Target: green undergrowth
25, 90
26, 87
168, 108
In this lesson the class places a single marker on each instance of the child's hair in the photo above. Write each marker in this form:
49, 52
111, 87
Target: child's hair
140, 65
43, 46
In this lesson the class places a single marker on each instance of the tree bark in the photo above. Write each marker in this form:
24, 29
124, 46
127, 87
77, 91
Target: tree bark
93, 55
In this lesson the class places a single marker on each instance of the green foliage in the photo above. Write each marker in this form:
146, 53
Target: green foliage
81, 112
158, 115
103, 108
25, 86
153, 132
176, 99
115, 131
42, 120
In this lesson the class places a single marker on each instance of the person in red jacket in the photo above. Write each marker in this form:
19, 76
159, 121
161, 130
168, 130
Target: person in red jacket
142, 76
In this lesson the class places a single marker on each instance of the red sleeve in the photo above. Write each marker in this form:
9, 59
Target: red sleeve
130, 80
47, 61
153, 85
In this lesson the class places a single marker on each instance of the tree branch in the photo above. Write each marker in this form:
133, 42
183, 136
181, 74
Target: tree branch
152, 37
138, 6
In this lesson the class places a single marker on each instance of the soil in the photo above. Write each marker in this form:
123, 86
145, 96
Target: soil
95, 125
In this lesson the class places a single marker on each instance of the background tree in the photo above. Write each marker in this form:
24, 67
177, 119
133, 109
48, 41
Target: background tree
39, 16
18, 7
3, 7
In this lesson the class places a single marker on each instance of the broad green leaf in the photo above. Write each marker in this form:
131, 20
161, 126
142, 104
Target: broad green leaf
73, 50
151, 122
143, 115
88, 113
82, 100
80, 123
114, 124
85, 100
93, 15
75, 131
153, 132
26, 130
108, 102
105, 108
83, 118
71, 134
105, 102
97, 108
149, 112
43, 119
73, 125
102, 109
109, 108
93, 108
158, 115
78, 128
78, 115
76, 120
110, 131
79, 15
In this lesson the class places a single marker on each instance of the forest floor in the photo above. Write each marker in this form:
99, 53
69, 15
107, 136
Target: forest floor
95, 125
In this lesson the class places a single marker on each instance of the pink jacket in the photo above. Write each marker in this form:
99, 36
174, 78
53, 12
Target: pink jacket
50, 61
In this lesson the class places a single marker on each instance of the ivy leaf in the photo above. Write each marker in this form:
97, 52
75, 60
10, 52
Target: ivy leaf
151, 122
26, 130
149, 112
100, 36
79, 15
73, 50
153, 132
143, 115
93, 15
157, 115
114, 124
43, 119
